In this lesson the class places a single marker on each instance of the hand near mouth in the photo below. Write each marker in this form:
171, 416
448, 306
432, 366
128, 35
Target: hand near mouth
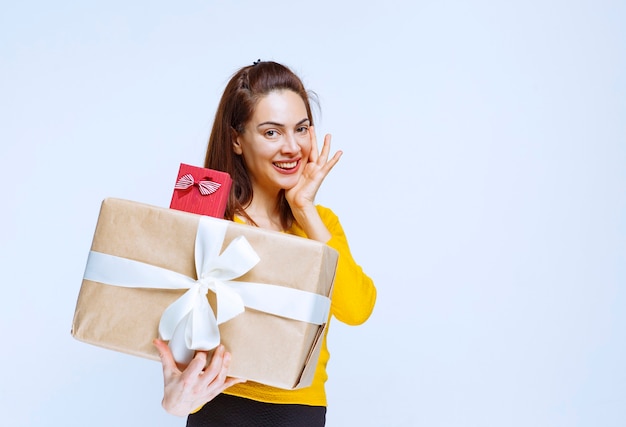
301, 197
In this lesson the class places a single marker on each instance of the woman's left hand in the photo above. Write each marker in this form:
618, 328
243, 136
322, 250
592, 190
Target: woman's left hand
185, 390
302, 195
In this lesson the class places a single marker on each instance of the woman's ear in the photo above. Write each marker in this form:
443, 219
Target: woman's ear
236, 143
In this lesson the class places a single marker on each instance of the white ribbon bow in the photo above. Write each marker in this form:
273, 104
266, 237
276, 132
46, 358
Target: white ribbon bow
184, 323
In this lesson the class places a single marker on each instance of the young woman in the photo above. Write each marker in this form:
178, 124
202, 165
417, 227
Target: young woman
263, 136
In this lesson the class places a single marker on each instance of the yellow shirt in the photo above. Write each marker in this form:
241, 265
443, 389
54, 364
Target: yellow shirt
352, 302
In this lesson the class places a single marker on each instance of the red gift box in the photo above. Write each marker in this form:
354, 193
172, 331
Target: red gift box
201, 191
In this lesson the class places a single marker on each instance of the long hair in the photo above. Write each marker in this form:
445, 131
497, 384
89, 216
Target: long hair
241, 95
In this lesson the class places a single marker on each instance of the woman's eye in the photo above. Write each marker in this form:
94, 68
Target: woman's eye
270, 133
303, 129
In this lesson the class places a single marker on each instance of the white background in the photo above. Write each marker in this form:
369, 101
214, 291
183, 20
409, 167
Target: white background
482, 187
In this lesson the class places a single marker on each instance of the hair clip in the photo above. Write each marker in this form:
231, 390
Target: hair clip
256, 62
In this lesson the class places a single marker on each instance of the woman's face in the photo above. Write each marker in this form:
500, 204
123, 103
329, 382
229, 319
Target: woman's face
276, 143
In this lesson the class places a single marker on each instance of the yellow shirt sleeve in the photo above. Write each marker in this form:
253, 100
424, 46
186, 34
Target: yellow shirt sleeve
354, 294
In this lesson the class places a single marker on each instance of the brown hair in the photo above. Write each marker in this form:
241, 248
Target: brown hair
241, 95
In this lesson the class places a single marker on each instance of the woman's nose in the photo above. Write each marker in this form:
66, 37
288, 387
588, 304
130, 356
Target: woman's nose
290, 144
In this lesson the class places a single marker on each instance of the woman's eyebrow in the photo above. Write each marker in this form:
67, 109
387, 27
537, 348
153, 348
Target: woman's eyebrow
270, 123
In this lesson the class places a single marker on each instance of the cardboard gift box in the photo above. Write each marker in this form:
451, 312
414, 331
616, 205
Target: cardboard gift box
147, 263
200, 190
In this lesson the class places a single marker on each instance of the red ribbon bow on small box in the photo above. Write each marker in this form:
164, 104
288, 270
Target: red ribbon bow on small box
205, 186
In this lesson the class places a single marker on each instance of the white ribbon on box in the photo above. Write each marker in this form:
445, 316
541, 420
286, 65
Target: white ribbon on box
189, 323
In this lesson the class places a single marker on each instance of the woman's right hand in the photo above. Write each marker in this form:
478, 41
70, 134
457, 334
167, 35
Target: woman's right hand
189, 389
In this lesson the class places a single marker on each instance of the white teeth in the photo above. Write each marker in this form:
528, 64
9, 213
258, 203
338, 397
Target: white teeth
289, 165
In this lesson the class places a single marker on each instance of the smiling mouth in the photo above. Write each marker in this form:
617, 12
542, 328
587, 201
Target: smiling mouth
286, 165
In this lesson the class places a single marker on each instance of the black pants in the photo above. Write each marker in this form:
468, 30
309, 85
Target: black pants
225, 410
